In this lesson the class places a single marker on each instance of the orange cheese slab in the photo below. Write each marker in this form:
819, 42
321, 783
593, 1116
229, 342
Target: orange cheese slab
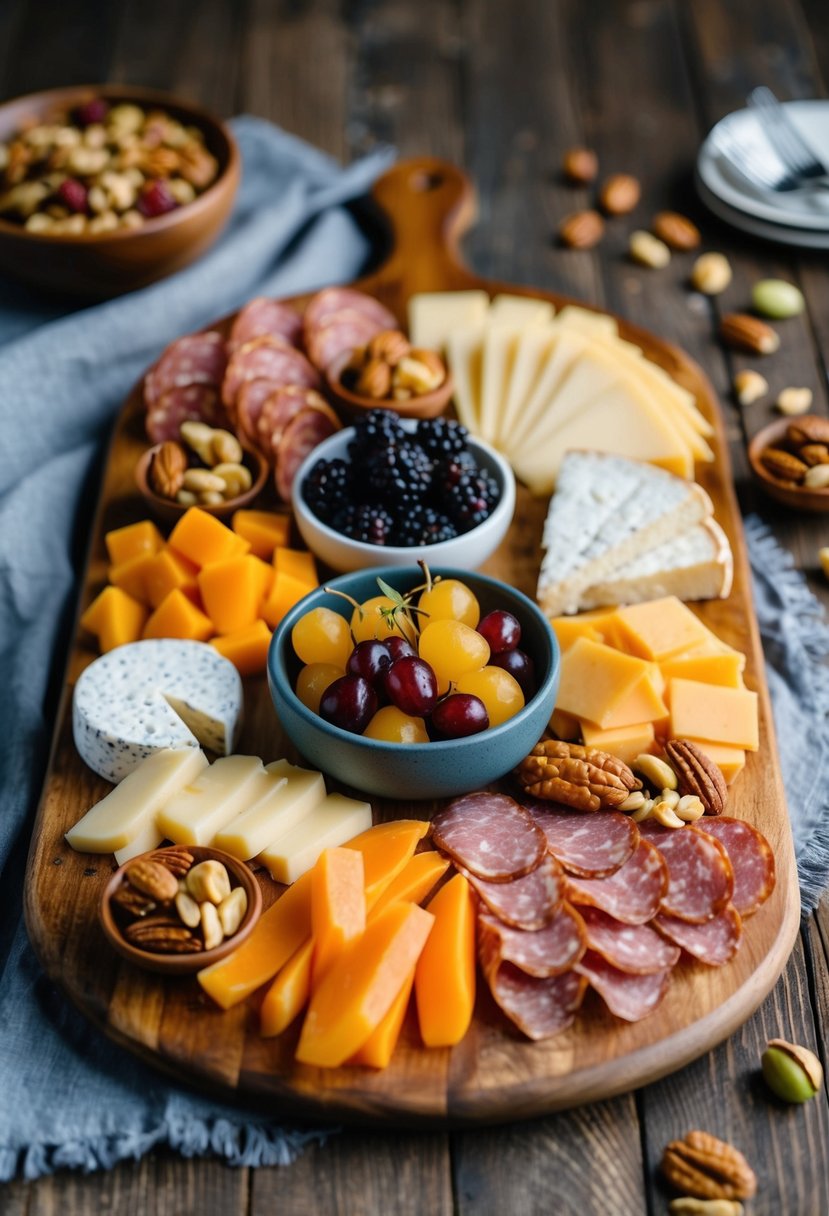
202, 538
288, 994
168, 571
642, 704
593, 625
247, 648
115, 618
659, 629
298, 563
386, 849
361, 986
263, 530
626, 742
277, 935
178, 617
725, 669
124, 543
595, 679
717, 715
231, 591
338, 906
284, 593
378, 1048
445, 972
414, 882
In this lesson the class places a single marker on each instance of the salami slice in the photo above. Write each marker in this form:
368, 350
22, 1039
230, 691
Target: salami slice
542, 952
193, 359
590, 846
714, 942
264, 317
342, 333
633, 894
266, 359
630, 997
529, 902
490, 835
250, 399
302, 434
332, 300
281, 406
540, 1008
751, 859
701, 880
189, 403
637, 949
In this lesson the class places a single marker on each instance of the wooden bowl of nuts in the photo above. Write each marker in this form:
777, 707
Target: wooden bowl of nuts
391, 373
207, 468
178, 909
106, 188
790, 459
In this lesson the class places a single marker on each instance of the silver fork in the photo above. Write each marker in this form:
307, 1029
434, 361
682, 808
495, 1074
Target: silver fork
803, 165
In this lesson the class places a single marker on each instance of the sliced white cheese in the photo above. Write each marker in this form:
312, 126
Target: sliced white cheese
433, 315
532, 350
331, 823
147, 696
591, 322
566, 349
148, 838
293, 793
130, 809
500, 345
464, 354
520, 310
196, 813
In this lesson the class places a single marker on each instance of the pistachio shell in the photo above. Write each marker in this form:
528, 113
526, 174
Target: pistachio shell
785, 1074
777, 298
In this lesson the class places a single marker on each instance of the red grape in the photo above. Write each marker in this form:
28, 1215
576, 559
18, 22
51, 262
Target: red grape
349, 703
73, 194
501, 629
156, 199
93, 111
411, 685
399, 648
459, 715
370, 660
521, 668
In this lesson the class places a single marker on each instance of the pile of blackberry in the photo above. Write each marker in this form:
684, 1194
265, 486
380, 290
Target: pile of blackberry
402, 487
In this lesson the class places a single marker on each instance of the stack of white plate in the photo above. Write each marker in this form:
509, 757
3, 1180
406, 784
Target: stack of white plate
795, 217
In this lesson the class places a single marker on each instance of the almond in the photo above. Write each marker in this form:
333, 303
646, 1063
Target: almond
580, 165
676, 230
783, 465
153, 879
619, 194
581, 230
743, 332
374, 380
167, 469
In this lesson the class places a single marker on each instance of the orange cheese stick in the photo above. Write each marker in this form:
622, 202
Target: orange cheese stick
414, 882
379, 1046
361, 985
445, 974
278, 934
338, 906
288, 994
386, 848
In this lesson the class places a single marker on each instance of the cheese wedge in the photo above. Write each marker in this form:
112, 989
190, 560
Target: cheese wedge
201, 809
434, 315
291, 795
330, 823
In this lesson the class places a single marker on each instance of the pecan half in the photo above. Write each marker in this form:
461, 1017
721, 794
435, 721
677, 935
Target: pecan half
581, 230
390, 345
177, 859
582, 777
810, 429
708, 1168
132, 902
698, 775
167, 469
783, 465
162, 935
153, 879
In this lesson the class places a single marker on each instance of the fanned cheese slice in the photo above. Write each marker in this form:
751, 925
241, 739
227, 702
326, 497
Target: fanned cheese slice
464, 353
434, 315
520, 310
567, 348
531, 353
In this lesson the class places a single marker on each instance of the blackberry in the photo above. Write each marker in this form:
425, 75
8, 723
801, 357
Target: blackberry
470, 500
327, 488
370, 525
424, 526
399, 474
375, 431
441, 437
448, 471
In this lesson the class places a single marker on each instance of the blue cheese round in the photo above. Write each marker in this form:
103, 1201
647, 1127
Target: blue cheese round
159, 693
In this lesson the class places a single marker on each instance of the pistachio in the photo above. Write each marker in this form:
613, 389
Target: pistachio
793, 401
794, 1073
776, 298
655, 771
711, 273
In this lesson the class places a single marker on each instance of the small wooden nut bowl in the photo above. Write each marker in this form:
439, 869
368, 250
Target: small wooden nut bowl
183, 964
797, 497
427, 405
169, 511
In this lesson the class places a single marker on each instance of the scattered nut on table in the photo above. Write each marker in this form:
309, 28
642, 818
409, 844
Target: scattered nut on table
648, 250
581, 229
777, 299
749, 386
744, 332
794, 1073
793, 401
580, 165
676, 230
619, 194
711, 273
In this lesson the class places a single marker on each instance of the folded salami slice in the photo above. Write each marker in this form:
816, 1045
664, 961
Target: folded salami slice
714, 942
264, 317
591, 846
281, 406
529, 902
302, 434
193, 359
490, 835
335, 299
251, 397
539, 1008
637, 949
341, 333
751, 859
540, 952
630, 997
189, 403
701, 881
266, 359
633, 894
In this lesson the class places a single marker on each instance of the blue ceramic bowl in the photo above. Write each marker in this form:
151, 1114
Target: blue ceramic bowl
416, 770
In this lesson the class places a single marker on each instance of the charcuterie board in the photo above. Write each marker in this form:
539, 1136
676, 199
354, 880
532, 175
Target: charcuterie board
493, 1074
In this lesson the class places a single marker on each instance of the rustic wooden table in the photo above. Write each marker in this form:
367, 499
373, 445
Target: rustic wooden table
503, 89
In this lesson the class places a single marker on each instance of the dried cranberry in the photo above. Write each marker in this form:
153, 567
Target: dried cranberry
91, 112
156, 199
73, 194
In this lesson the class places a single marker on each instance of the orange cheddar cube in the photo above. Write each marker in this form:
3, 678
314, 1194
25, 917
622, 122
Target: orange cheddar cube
565, 726
178, 617
131, 575
231, 591
626, 742
263, 530
203, 539
415, 880
115, 618
284, 593
338, 906
718, 715
596, 625
124, 543
266, 575
643, 704
595, 679
247, 648
298, 563
445, 972
386, 849
168, 571
726, 669
288, 994
378, 1048
659, 629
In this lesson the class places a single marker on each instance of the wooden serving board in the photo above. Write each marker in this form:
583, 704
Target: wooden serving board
494, 1074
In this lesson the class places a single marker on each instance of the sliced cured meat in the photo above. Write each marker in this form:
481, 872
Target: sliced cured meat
264, 317
700, 878
342, 333
633, 894
714, 942
189, 403
251, 397
281, 406
540, 952
193, 359
630, 997
637, 949
529, 902
332, 300
302, 434
490, 835
751, 859
539, 1008
266, 359
590, 846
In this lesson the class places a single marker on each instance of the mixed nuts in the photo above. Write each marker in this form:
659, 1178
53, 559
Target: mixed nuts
802, 458
390, 368
206, 469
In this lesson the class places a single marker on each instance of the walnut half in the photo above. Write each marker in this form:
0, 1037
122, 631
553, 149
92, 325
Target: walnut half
584, 778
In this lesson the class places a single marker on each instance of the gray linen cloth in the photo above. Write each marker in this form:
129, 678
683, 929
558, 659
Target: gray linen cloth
69, 1098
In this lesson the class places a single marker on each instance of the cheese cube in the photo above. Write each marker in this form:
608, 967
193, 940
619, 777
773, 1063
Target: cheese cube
565, 726
178, 617
168, 571
730, 760
221, 792
247, 649
595, 679
718, 715
568, 629
131, 575
202, 538
128, 810
291, 796
232, 591
660, 629
298, 563
263, 530
433, 315
115, 618
284, 593
626, 742
332, 822
722, 669
124, 543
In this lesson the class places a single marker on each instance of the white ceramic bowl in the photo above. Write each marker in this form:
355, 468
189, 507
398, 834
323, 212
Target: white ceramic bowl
465, 552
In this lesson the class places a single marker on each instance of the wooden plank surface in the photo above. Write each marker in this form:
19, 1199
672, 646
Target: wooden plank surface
428, 76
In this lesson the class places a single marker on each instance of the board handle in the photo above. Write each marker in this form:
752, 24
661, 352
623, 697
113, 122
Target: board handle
428, 205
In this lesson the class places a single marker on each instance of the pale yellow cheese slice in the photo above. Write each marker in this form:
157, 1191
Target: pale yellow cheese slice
464, 353
331, 823
434, 315
196, 813
294, 793
533, 348
520, 310
598, 323
566, 349
500, 343
148, 838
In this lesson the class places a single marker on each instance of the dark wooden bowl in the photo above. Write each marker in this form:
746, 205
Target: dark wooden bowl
170, 512
428, 405
103, 264
799, 498
184, 964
